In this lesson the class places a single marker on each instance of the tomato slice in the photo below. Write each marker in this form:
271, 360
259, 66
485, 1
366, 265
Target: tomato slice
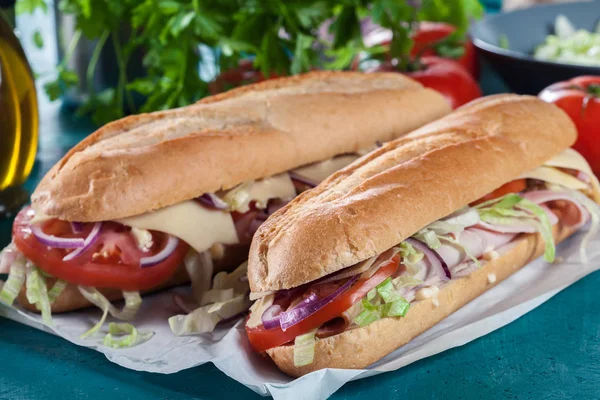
112, 262
263, 339
516, 186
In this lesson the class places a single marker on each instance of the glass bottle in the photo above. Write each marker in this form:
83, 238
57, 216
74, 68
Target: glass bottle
18, 120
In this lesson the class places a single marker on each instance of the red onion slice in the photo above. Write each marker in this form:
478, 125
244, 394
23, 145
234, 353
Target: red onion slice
89, 241
295, 315
55, 241
270, 317
211, 200
76, 227
438, 264
301, 179
162, 255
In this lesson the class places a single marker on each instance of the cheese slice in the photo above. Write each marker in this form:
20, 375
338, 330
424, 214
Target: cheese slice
198, 226
553, 175
275, 187
570, 158
260, 191
317, 172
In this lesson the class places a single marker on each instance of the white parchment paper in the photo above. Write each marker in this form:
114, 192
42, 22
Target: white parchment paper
229, 350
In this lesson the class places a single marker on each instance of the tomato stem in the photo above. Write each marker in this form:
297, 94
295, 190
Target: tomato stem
594, 90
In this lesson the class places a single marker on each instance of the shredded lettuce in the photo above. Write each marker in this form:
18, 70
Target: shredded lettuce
406, 281
429, 237
56, 290
227, 298
217, 296
506, 202
444, 228
258, 309
205, 318
398, 308
304, 349
544, 227
128, 336
369, 314
234, 280
513, 209
372, 293
37, 292
409, 254
133, 301
592, 208
387, 291
393, 305
199, 267
14, 283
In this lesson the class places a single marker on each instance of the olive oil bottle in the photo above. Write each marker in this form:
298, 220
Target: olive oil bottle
18, 117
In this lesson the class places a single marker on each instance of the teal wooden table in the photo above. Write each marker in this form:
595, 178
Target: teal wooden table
551, 353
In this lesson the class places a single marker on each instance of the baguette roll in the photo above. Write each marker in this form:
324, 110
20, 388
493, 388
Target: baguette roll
360, 347
389, 195
145, 162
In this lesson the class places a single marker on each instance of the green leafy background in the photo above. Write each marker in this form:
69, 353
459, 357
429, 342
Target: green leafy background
282, 37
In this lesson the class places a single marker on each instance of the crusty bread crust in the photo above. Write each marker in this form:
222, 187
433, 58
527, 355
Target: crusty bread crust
361, 347
149, 161
389, 194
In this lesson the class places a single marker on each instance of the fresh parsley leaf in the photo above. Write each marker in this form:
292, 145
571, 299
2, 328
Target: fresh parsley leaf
38, 40
29, 6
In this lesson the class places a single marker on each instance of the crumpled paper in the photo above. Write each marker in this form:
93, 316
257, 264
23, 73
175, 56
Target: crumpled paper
229, 349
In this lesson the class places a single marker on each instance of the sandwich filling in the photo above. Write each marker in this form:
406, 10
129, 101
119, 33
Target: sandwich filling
142, 252
386, 285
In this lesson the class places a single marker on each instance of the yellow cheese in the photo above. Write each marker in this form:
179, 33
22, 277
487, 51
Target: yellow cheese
553, 175
573, 160
317, 172
275, 187
198, 226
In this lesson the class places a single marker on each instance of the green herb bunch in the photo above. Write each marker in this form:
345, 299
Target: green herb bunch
281, 36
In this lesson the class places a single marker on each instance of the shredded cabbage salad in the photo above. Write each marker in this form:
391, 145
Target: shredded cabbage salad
570, 45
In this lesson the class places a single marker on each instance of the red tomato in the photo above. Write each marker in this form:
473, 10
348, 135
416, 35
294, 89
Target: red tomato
112, 262
449, 78
446, 76
511, 187
580, 99
244, 74
428, 34
263, 339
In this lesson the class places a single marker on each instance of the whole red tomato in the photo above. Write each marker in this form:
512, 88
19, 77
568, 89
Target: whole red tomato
425, 37
580, 99
430, 33
244, 74
443, 75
